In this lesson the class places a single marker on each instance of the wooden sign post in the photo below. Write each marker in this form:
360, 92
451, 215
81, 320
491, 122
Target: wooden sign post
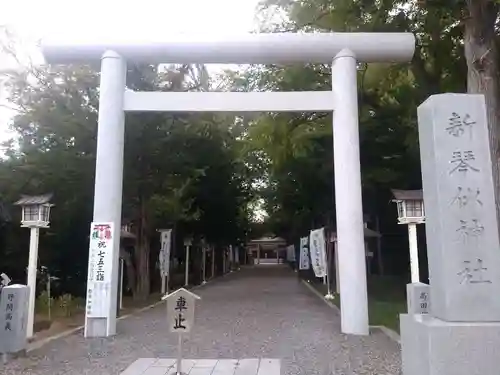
180, 317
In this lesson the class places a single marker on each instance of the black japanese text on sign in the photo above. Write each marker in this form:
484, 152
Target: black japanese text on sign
8, 312
180, 308
102, 234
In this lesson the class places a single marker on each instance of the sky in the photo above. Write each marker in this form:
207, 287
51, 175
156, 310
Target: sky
32, 20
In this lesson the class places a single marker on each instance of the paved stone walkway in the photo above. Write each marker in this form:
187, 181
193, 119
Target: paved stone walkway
261, 312
167, 366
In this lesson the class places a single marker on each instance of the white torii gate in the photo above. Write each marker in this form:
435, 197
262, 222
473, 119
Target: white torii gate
342, 50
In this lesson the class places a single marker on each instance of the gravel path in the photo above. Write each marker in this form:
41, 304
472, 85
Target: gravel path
257, 312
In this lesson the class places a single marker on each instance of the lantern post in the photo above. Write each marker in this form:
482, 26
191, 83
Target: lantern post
410, 204
35, 215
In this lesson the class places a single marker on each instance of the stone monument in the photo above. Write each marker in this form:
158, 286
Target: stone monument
13, 318
460, 335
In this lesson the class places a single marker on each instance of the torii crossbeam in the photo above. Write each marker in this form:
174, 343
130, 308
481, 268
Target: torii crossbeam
342, 50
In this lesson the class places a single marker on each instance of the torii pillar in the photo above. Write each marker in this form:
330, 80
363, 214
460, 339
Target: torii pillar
342, 50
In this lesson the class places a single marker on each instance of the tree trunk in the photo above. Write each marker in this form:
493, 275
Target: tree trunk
125, 255
196, 265
142, 254
483, 72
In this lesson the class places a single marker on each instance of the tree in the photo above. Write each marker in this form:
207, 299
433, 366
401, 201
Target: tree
388, 97
170, 162
481, 52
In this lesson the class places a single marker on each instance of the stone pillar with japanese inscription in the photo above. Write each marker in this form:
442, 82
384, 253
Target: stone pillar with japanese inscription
460, 335
13, 318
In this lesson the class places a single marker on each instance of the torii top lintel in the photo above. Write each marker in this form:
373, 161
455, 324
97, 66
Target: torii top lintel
270, 48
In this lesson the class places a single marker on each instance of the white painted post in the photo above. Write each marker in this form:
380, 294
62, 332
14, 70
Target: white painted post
179, 355
204, 249
109, 175
231, 258
163, 285
412, 238
122, 268
237, 256
32, 268
49, 302
186, 272
213, 262
354, 301
337, 278
329, 295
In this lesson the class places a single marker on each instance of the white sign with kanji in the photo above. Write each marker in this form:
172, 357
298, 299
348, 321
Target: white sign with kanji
180, 310
164, 256
317, 251
100, 267
304, 263
290, 253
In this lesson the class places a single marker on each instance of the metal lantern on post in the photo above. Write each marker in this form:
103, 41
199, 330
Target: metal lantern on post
410, 204
35, 215
35, 210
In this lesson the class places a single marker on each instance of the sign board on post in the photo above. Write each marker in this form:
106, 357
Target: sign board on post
13, 318
304, 263
180, 310
318, 253
180, 316
418, 299
100, 268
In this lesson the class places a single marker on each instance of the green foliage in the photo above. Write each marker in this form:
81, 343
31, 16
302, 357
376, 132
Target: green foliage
42, 303
64, 306
179, 170
202, 173
296, 150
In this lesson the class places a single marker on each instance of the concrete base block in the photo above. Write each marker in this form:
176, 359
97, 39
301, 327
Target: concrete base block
431, 346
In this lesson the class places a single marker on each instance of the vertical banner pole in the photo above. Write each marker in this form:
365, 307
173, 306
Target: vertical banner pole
328, 249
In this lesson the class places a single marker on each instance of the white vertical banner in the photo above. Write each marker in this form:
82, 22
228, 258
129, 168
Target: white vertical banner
318, 252
236, 255
164, 256
290, 253
304, 263
100, 267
